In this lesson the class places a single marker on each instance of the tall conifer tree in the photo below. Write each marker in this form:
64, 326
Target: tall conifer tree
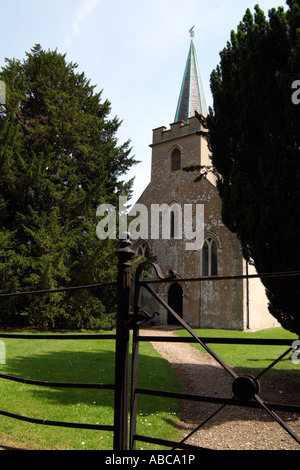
254, 138
59, 159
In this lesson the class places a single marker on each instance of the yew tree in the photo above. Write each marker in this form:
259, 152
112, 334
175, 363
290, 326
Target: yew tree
254, 139
59, 159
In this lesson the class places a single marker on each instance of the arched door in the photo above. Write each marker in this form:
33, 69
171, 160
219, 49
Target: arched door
175, 302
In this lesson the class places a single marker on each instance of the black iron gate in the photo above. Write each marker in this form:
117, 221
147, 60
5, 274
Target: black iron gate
245, 389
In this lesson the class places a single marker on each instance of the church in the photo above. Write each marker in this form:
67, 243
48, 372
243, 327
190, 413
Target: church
239, 304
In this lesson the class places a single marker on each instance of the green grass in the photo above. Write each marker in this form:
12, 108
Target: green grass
78, 361
93, 361
249, 358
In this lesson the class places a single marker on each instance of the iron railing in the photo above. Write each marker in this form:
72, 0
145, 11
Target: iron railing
126, 393
245, 388
121, 337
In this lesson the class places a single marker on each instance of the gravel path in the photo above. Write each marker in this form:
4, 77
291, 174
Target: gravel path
233, 428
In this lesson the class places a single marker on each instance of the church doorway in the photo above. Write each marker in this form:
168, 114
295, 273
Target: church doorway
175, 302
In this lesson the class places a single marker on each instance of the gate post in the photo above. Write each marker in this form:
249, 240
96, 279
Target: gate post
124, 254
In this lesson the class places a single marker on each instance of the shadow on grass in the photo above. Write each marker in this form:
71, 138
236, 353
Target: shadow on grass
93, 367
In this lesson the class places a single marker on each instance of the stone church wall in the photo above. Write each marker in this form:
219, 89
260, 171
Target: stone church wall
227, 304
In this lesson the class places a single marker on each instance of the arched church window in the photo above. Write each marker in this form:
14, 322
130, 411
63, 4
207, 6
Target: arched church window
209, 257
143, 250
176, 160
172, 223
175, 221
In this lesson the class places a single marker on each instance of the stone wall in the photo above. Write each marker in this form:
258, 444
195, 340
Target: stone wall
228, 304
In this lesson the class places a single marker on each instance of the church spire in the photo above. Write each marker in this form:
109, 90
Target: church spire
191, 96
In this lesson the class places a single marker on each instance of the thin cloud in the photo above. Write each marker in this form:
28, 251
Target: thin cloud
83, 10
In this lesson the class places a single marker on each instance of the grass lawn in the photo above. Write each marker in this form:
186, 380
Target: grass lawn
90, 361
250, 358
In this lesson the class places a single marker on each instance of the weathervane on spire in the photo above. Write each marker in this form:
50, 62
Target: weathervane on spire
192, 32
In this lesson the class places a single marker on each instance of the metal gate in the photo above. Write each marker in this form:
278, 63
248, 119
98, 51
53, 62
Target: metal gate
245, 389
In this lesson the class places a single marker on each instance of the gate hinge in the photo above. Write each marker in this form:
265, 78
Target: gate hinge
142, 317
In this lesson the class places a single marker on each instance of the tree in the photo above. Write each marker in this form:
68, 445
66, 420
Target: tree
254, 139
59, 159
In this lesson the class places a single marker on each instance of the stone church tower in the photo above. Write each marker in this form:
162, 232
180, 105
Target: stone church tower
228, 304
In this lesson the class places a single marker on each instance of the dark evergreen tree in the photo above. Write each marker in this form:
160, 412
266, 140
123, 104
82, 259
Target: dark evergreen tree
59, 159
254, 138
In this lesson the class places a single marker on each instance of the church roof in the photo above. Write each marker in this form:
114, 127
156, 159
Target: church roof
191, 96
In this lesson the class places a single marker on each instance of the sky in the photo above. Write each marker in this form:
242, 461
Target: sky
134, 51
